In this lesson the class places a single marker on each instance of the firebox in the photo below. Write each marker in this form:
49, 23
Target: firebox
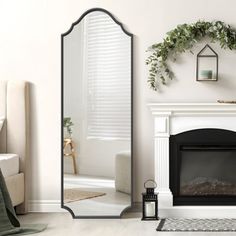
203, 167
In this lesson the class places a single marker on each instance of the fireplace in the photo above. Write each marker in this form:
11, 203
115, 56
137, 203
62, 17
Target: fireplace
194, 159
203, 167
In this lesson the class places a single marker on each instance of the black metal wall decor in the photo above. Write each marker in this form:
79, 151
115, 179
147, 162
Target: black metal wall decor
207, 64
150, 202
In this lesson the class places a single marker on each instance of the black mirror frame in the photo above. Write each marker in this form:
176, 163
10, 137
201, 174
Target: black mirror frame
62, 111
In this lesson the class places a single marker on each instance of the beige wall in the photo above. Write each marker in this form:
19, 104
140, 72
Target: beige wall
30, 49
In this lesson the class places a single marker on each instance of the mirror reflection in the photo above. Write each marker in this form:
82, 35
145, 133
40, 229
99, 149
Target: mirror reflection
97, 116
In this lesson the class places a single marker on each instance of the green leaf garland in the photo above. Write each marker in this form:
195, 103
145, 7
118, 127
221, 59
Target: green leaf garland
183, 38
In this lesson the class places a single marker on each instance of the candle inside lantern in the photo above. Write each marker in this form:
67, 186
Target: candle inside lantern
206, 74
150, 209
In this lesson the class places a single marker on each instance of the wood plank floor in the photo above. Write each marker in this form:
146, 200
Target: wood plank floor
61, 224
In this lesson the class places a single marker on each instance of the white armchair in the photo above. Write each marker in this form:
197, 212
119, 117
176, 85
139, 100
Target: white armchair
123, 172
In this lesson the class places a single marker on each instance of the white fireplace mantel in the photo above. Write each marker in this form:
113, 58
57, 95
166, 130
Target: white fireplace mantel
174, 118
178, 109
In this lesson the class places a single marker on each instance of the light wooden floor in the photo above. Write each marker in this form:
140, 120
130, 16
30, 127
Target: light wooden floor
112, 203
61, 224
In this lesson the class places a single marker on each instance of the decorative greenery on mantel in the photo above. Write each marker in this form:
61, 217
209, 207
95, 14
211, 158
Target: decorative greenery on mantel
183, 38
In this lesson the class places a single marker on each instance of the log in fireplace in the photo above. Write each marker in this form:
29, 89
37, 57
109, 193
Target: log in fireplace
203, 167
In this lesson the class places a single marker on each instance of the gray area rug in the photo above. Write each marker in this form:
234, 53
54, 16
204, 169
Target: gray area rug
194, 225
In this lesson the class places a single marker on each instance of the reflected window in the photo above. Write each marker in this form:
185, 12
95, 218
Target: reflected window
107, 71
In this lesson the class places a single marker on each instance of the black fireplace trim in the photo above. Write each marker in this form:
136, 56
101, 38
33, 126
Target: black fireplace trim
219, 138
204, 201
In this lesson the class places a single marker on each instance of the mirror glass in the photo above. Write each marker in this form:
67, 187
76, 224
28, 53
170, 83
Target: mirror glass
97, 116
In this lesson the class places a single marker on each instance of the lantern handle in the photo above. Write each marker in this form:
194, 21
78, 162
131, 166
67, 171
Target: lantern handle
152, 181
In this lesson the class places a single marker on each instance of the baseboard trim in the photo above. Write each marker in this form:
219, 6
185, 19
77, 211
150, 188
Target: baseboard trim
45, 206
55, 206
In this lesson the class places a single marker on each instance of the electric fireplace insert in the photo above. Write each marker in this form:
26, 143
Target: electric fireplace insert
203, 167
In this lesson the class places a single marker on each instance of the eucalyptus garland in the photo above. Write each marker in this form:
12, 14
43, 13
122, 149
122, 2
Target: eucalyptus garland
183, 38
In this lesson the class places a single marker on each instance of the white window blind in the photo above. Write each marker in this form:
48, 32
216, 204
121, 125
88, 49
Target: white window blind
108, 77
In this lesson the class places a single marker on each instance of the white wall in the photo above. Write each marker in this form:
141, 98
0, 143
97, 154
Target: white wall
30, 49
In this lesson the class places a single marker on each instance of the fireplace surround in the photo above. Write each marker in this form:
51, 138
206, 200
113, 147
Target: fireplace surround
172, 119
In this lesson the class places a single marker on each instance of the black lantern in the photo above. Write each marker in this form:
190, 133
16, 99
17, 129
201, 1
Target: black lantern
207, 65
150, 202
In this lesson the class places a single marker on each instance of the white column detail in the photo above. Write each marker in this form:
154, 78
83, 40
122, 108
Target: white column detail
162, 159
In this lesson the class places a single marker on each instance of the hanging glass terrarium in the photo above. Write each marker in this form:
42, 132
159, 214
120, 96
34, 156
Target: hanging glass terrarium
207, 65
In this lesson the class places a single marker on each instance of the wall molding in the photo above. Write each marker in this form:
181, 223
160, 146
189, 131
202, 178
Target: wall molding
191, 109
45, 206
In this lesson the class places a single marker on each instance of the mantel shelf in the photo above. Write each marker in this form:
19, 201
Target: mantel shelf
172, 109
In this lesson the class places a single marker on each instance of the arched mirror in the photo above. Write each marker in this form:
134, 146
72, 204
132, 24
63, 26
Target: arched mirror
96, 117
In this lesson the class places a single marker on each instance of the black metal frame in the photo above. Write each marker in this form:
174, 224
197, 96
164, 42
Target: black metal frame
198, 58
202, 137
62, 112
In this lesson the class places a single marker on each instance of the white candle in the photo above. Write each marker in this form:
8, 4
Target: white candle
150, 209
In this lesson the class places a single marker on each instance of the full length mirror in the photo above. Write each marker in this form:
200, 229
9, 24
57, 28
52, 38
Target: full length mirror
96, 117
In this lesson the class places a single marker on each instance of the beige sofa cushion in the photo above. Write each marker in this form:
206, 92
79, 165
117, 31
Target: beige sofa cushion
9, 164
14, 136
123, 172
15, 186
